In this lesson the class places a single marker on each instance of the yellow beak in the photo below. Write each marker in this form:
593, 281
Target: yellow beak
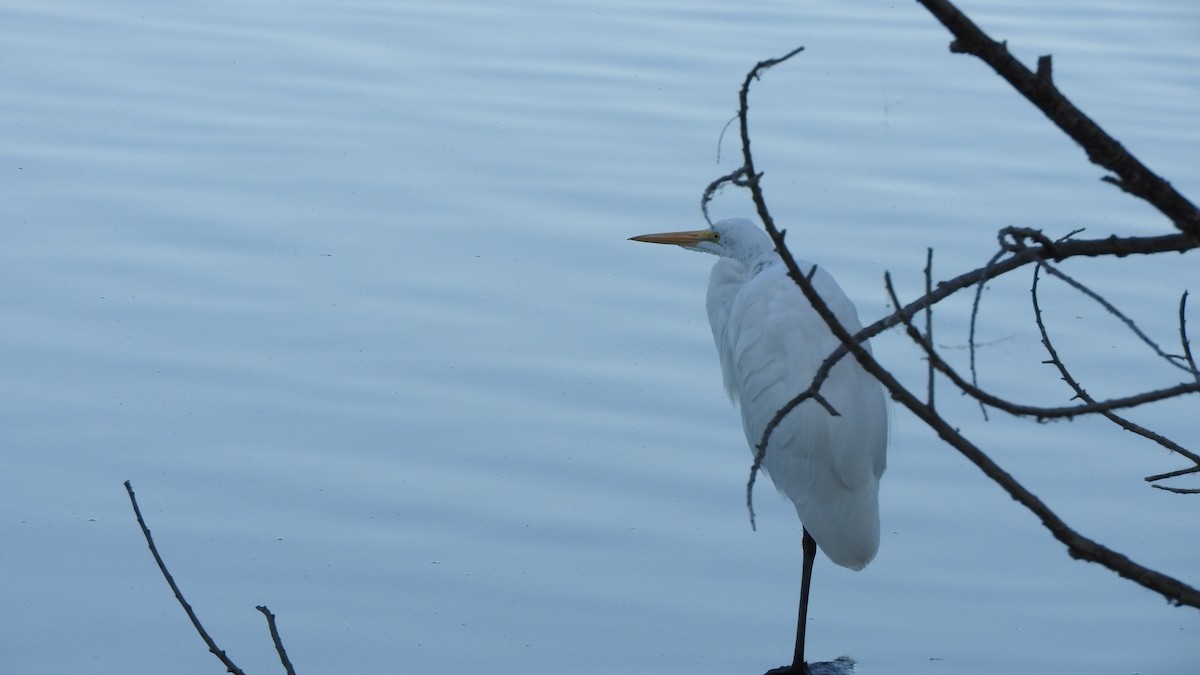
677, 238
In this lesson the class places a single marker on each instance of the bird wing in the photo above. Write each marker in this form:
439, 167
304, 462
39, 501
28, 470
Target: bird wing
725, 282
771, 343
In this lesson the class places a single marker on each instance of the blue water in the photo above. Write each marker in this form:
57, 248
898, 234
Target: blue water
344, 289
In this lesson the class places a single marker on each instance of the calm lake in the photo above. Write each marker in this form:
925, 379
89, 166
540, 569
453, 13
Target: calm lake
344, 289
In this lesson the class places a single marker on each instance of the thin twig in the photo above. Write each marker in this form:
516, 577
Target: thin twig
747, 173
1081, 393
283, 657
1183, 337
1087, 247
715, 187
162, 567
1182, 491
929, 323
1000, 265
721, 136
752, 180
1173, 474
1172, 359
974, 322
1040, 413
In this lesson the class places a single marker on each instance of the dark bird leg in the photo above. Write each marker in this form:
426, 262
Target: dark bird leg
799, 665
810, 555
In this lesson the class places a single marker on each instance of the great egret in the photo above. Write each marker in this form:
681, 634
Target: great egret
771, 342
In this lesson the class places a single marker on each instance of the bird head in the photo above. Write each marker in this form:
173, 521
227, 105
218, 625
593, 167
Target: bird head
736, 238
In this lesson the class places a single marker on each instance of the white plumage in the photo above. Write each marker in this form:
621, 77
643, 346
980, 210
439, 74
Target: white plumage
771, 342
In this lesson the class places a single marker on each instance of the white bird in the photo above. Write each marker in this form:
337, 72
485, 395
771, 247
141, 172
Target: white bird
771, 342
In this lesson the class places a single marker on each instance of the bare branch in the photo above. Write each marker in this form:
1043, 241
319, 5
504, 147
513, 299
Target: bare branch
715, 187
1020, 255
930, 400
1081, 394
162, 567
1172, 359
1131, 175
1181, 491
1108, 246
1183, 337
1077, 545
1039, 412
1173, 474
760, 451
975, 304
747, 176
283, 657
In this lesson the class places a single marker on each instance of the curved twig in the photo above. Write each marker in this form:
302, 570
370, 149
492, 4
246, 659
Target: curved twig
1038, 412
1174, 360
971, 343
1184, 342
1081, 393
187, 608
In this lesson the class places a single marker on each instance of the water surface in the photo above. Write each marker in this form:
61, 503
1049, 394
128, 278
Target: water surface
344, 290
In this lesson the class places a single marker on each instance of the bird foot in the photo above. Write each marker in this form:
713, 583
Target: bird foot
843, 665
793, 669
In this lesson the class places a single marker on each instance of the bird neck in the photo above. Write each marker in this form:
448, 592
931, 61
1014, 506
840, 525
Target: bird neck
761, 259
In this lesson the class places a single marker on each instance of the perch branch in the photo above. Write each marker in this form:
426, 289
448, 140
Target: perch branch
1078, 546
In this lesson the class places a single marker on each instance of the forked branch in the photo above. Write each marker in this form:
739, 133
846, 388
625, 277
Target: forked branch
1019, 247
230, 666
